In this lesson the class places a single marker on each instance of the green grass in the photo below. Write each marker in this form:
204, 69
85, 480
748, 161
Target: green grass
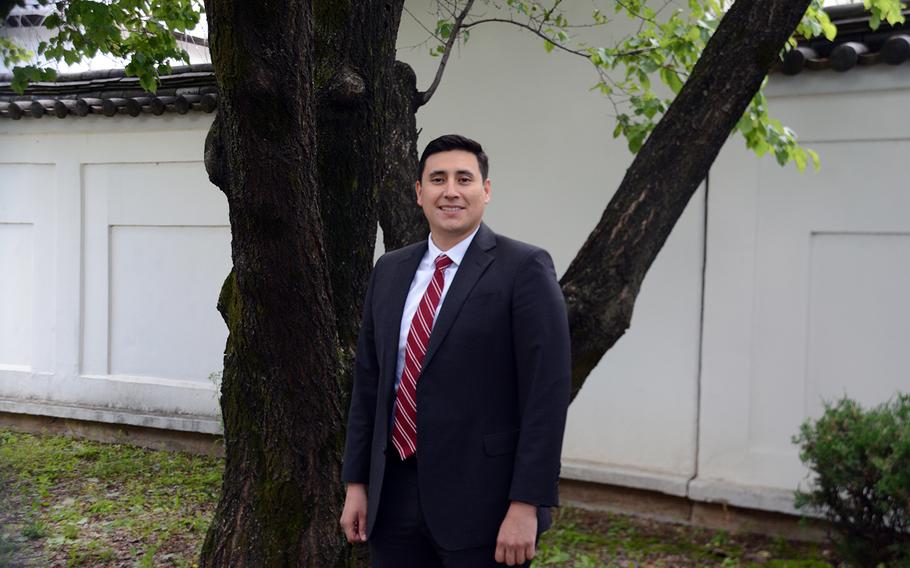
86, 499
81, 503
581, 539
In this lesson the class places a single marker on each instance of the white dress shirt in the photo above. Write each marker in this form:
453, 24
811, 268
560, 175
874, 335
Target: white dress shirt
419, 284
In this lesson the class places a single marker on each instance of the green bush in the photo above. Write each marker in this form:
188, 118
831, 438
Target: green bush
861, 483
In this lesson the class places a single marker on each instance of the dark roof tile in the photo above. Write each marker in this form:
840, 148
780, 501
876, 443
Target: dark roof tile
856, 44
110, 92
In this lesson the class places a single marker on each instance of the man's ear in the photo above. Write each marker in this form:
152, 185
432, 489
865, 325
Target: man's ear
418, 190
487, 186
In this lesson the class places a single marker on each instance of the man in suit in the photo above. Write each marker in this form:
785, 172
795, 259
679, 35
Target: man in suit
461, 385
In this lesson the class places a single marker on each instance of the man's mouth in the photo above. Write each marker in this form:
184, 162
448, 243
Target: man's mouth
451, 208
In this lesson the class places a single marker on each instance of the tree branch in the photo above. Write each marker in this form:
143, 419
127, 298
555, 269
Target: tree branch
555, 43
604, 279
424, 97
531, 29
635, 13
421, 24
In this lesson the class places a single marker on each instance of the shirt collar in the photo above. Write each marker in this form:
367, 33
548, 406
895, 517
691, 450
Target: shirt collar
456, 253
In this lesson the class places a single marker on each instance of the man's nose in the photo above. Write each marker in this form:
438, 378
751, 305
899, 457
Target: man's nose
450, 192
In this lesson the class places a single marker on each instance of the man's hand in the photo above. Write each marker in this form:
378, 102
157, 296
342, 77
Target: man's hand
517, 535
354, 515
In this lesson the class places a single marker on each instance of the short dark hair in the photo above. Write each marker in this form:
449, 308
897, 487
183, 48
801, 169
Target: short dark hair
449, 142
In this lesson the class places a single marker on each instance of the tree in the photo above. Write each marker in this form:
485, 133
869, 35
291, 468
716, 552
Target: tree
291, 213
304, 88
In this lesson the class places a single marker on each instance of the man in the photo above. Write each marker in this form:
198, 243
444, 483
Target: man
461, 385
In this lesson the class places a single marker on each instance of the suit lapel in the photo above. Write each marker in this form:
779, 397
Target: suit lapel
475, 262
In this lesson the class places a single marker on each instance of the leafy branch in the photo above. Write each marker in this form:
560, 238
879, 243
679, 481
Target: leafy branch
450, 33
139, 31
664, 49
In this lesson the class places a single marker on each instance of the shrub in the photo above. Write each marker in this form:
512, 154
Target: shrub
861, 462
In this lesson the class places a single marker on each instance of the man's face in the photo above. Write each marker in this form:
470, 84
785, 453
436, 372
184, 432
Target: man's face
453, 195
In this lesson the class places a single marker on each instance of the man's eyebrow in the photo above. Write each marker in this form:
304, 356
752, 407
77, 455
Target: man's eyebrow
457, 173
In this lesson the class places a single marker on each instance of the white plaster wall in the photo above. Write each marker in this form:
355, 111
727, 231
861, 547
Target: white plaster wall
26, 258
806, 282
114, 246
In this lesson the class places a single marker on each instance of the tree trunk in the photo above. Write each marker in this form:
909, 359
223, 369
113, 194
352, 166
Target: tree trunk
303, 228
603, 280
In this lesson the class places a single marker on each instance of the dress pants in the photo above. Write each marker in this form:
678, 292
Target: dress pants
401, 538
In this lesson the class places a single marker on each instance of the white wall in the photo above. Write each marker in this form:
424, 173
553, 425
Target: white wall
114, 247
806, 283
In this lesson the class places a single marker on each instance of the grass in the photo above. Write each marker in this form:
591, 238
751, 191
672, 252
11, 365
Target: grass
583, 539
66, 502
80, 503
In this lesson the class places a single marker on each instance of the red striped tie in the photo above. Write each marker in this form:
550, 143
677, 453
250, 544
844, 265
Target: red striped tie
404, 431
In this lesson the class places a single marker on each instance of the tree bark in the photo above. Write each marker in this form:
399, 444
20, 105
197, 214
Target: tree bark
303, 224
281, 392
355, 44
400, 217
280, 395
603, 280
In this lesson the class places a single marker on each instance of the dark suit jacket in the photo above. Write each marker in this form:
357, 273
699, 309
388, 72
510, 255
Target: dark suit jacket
492, 396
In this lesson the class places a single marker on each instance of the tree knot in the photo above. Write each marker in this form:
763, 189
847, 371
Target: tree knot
347, 88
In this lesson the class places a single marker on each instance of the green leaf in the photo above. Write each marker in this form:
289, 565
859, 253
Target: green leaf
816, 162
799, 158
875, 20
645, 81
52, 21
671, 79
829, 29
744, 125
649, 66
636, 141
444, 29
149, 82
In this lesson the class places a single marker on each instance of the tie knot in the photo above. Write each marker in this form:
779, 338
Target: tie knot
443, 262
